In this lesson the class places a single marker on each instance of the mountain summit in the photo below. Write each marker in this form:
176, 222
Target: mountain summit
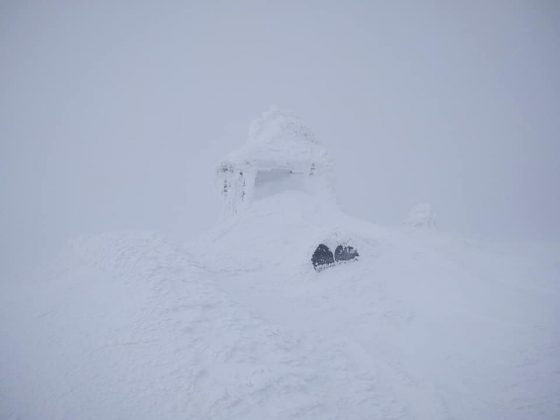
288, 309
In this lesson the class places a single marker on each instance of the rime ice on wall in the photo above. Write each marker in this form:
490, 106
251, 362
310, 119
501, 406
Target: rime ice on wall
281, 154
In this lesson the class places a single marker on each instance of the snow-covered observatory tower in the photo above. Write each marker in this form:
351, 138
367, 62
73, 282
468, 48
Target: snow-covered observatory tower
281, 154
279, 187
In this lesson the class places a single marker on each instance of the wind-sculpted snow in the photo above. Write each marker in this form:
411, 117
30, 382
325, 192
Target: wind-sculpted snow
175, 347
283, 231
423, 326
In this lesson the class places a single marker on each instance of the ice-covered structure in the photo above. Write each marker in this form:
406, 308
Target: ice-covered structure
281, 154
279, 188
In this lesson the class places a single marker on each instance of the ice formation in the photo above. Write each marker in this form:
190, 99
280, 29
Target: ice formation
278, 194
281, 154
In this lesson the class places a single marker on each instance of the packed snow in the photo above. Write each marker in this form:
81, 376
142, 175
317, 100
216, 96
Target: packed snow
236, 324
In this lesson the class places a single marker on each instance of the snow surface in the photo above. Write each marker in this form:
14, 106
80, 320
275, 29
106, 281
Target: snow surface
237, 325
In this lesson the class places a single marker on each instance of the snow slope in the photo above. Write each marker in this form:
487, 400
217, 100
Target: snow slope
237, 325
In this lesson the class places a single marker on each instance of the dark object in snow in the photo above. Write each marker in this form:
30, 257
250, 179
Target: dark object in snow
345, 253
322, 257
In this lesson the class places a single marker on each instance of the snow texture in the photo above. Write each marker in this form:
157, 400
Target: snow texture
237, 324
128, 325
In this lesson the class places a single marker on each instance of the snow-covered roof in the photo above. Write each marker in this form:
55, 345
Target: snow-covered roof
279, 139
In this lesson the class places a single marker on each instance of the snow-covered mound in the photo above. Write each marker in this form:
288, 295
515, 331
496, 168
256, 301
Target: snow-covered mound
282, 231
431, 327
237, 324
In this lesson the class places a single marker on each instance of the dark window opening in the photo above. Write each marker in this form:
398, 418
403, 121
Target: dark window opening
345, 253
322, 257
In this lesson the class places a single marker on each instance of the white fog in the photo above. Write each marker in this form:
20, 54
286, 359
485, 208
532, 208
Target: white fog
418, 139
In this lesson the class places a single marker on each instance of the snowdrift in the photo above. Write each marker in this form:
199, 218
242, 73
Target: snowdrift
422, 327
237, 324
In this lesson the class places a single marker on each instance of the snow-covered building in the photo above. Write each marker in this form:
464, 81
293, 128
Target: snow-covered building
280, 154
279, 184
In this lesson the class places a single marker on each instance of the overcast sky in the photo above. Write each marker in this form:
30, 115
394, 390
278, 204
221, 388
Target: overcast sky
113, 113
